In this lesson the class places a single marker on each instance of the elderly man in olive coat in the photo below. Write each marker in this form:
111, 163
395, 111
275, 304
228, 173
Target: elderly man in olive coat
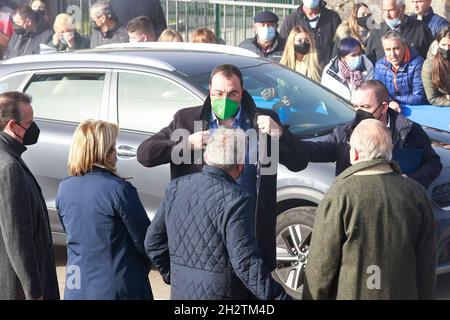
27, 263
374, 230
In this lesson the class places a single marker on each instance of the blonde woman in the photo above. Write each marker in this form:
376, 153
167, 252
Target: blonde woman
66, 36
104, 220
170, 35
300, 54
357, 26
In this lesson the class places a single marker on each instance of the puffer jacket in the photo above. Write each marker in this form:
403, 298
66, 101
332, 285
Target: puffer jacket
405, 86
202, 240
332, 79
435, 96
415, 33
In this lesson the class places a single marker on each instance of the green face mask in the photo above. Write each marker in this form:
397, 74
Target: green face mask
225, 108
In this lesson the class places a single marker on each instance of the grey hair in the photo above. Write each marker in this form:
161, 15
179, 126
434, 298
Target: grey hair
226, 148
393, 35
103, 7
372, 140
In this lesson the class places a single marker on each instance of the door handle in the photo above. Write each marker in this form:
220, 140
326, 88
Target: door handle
126, 152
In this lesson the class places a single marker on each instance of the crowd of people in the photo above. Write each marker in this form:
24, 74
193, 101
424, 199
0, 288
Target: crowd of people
213, 236
409, 54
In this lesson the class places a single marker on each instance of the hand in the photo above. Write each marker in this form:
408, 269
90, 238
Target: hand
286, 101
395, 105
56, 38
268, 94
198, 140
267, 125
70, 38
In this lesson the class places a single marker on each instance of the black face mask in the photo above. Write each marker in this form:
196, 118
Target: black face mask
445, 54
302, 47
31, 134
362, 21
19, 29
360, 116
95, 26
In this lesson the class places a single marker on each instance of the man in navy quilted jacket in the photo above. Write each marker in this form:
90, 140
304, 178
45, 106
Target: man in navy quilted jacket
400, 70
202, 238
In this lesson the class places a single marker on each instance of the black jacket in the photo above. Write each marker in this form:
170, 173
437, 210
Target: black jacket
117, 35
415, 32
129, 9
324, 32
406, 134
157, 150
28, 43
274, 54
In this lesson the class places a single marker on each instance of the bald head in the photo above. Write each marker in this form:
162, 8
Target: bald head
370, 140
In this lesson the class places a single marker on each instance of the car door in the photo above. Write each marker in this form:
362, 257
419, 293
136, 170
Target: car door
61, 100
146, 103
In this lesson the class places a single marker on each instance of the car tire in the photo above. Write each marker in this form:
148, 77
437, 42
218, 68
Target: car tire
293, 234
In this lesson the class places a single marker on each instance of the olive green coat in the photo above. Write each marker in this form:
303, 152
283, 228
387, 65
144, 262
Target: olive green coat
373, 238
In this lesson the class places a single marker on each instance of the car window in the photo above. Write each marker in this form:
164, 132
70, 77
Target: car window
11, 83
70, 97
308, 108
148, 102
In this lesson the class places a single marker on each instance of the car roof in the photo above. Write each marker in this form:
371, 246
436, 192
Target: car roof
187, 58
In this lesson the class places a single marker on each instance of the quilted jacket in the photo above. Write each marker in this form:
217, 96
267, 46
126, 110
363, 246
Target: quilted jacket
202, 240
405, 86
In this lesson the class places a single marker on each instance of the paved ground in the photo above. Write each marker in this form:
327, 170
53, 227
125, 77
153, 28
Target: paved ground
161, 291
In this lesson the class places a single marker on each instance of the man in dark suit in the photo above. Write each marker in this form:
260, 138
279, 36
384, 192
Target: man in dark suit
27, 268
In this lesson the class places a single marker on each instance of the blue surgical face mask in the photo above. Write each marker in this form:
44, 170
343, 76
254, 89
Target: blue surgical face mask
311, 3
393, 23
354, 63
266, 33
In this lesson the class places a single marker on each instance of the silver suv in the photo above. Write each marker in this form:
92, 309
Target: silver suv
140, 89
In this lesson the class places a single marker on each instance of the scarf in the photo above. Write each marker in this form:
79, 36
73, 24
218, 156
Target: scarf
352, 78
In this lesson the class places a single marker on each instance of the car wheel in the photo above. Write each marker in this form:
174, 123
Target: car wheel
294, 230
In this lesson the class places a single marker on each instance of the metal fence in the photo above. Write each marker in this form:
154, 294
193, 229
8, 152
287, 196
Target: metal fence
232, 21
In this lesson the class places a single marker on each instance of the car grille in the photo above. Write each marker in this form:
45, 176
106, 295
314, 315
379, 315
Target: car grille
441, 195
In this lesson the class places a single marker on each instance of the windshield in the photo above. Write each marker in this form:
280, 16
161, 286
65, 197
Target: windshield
305, 106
